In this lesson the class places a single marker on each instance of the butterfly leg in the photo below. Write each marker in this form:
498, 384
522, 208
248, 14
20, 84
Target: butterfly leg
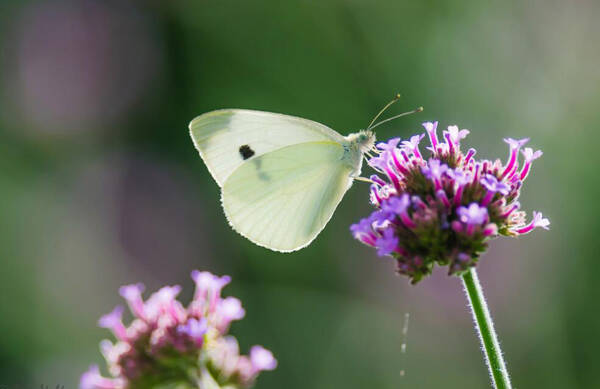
364, 179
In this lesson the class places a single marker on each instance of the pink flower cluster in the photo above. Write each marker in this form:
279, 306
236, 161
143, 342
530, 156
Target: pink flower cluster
169, 344
443, 209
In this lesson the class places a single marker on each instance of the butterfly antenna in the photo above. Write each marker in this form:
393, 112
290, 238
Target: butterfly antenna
420, 109
396, 98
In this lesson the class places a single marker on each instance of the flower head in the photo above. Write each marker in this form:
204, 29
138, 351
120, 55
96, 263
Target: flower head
165, 333
443, 208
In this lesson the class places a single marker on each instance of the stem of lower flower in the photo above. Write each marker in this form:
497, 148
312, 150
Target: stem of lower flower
485, 329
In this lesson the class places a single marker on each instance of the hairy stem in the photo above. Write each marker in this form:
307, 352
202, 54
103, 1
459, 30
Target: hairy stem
485, 329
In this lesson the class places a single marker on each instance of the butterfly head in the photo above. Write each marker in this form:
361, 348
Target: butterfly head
364, 140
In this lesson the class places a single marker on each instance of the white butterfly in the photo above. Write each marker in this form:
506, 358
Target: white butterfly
281, 176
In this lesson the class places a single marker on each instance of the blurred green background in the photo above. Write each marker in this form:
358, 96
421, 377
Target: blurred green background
100, 184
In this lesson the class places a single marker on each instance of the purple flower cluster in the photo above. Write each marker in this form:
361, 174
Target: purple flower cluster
443, 209
169, 344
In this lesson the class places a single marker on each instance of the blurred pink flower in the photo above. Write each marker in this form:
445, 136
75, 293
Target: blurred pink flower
165, 333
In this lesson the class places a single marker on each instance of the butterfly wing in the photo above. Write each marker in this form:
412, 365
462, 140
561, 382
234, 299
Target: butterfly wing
226, 138
281, 200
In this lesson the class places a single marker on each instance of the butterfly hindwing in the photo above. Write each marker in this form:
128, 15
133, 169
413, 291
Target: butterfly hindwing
228, 138
282, 199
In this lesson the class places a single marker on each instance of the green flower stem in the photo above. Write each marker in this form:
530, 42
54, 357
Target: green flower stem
485, 329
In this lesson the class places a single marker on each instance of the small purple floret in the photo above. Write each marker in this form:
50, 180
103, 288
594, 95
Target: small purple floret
380, 162
387, 243
530, 156
133, 295
434, 170
413, 145
92, 379
397, 205
262, 359
492, 184
113, 321
390, 145
474, 214
228, 310
516, 143
457, 135
538, 221
431, 128
195, 329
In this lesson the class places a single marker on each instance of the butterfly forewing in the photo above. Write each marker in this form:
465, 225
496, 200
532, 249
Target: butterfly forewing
282, 199
228, 138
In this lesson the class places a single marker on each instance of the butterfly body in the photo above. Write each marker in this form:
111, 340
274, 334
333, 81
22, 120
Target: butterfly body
357, 144
281, 177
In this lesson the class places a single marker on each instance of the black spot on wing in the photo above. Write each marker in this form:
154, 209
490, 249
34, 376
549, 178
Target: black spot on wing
246, 152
